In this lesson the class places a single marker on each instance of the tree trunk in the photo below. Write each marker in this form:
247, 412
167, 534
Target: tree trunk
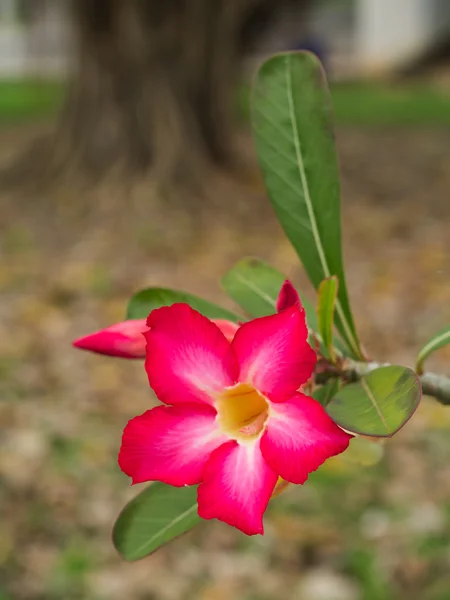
153, 86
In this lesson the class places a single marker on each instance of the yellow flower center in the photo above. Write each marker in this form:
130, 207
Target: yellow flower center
242, 412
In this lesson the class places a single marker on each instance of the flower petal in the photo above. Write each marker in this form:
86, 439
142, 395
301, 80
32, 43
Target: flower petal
287, 297
300, 437
125, 340
188, 357
237, 486
274, 354
170, 444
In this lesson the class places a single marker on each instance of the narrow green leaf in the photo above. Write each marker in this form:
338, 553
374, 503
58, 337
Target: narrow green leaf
437, 342
293, 132
379, 404
254, 285
156, 516
325, 393
142, 303
326, 301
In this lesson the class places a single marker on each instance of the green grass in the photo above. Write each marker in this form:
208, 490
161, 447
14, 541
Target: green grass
354, 104
28, 100
395, 104
378, 104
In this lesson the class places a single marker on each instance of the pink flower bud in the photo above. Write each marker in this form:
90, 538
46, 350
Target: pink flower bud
122, 339
228, 328
125, 339
288, 296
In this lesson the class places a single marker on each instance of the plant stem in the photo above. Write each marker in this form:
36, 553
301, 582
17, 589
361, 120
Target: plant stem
437, 386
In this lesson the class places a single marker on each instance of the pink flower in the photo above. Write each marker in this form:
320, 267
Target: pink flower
126, 339
234, 421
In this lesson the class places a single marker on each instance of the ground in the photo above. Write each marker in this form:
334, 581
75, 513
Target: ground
71, 258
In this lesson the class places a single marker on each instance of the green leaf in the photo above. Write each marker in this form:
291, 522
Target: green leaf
437, 342
325, 393
156, 516
142, 303
254, 285
293, 132
327, 294
379, 404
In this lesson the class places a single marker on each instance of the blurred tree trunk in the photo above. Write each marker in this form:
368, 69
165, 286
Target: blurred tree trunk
152, 84
155, 83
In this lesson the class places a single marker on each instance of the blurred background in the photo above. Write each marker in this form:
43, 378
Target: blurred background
126, 161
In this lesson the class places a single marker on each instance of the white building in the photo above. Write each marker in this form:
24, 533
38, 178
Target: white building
364, 36
390, 33
34, 38
372, 37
